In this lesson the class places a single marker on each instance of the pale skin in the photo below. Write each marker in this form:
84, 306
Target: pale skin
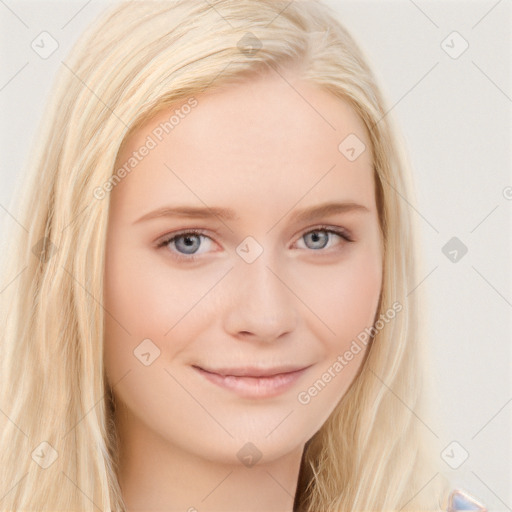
265, 150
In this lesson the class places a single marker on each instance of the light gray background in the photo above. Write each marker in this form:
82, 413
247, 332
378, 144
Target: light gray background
454, 114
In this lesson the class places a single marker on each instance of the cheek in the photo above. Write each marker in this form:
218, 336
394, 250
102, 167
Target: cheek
358, 294
347, 297
344, 296
147, 300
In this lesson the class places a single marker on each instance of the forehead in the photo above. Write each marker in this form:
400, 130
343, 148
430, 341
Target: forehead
275, 136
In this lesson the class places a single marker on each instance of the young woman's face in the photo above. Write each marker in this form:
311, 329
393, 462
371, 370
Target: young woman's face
273, 281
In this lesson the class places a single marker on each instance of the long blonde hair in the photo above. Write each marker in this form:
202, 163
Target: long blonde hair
137, 59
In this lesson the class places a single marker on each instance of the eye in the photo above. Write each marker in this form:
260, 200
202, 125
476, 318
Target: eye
187, 243
318, 238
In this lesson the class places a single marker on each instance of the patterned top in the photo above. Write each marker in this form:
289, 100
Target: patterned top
462, 500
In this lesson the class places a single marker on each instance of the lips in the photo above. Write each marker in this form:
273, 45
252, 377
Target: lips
254, 382
253, 371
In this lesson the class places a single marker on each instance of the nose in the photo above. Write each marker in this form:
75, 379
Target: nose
261, 305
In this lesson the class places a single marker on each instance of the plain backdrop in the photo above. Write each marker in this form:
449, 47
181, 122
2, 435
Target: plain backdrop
452, 105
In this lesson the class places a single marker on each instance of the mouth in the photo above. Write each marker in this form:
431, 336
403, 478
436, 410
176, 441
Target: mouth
251, 382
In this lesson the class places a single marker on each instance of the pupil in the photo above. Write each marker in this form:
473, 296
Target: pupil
187, 242
315, 236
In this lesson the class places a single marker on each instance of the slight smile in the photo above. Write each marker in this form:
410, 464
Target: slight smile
253, 383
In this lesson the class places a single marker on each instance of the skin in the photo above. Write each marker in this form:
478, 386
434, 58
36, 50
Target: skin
265, 148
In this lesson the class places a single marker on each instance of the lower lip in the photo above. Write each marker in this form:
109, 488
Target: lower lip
254, 387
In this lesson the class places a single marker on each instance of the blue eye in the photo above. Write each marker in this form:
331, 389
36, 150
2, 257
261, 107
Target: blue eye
188, 243
320, 236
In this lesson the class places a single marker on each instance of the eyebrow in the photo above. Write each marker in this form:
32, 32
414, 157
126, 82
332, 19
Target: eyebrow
305, 214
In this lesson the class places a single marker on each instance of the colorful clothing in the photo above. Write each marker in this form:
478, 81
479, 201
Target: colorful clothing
462, 500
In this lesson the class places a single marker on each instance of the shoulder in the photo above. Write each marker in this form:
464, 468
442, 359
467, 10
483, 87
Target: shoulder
460, 499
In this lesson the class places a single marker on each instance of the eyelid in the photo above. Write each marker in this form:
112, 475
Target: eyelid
165, 239
338, 230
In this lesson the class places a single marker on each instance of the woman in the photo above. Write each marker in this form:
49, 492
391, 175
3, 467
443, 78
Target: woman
212, 301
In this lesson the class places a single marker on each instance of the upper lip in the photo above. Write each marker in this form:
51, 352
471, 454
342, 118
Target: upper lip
254, 371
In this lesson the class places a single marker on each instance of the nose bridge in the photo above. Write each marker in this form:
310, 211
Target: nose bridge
261, 304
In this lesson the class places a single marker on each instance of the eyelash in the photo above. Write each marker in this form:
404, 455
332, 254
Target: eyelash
180, 257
